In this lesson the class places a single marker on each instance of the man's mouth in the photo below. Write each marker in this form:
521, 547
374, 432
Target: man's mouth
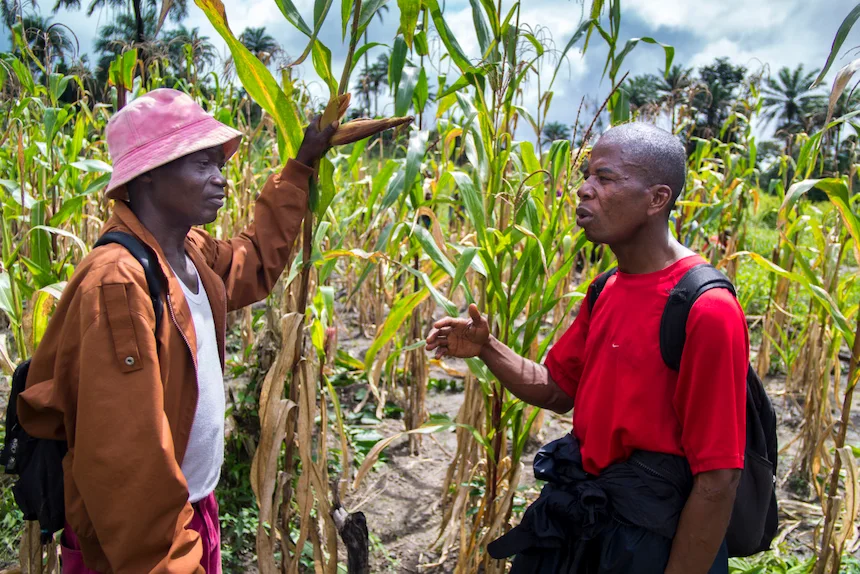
583, 216
216, 199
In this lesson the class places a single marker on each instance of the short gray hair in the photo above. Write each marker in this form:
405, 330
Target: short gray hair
660, 154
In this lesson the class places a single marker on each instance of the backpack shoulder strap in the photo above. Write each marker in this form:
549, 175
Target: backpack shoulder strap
673, 325
597, 286
146, 259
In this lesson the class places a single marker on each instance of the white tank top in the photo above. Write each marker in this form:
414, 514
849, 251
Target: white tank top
205, 453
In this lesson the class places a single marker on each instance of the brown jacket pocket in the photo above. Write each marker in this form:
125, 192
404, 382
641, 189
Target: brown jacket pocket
121, 327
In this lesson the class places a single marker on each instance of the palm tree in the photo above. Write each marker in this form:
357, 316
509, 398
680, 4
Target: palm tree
553, 131
9, 11
672, 85
47, 41
202, 51
113, 39
178, 11
377, 76
362, 88
260, 43
642, 92
788, 99
712, 104
378, 14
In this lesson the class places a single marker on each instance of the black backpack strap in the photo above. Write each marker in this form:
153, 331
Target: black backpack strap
673, 325
146, 259
597, 286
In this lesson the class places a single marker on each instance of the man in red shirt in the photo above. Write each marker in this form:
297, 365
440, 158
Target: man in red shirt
608, 365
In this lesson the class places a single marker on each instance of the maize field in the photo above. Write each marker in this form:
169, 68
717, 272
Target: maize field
332, 398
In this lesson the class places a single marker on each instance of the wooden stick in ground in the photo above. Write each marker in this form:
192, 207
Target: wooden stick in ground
352, 528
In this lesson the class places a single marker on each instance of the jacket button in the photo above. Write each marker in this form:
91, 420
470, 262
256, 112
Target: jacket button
129, 361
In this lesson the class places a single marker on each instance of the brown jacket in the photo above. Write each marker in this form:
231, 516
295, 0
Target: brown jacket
124, 397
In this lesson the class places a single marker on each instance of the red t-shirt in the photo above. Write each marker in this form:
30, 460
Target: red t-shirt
626, 398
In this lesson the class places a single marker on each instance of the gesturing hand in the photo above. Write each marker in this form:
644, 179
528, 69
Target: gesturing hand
463, 338
316, 142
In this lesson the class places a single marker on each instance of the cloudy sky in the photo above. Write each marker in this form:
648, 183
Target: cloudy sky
753, 33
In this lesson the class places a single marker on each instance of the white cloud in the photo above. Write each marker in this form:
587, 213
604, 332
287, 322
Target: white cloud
715, 18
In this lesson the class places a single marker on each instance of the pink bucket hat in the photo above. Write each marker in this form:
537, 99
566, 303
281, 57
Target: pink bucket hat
157, 128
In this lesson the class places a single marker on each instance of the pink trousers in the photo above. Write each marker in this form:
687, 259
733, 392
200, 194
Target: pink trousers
205, 521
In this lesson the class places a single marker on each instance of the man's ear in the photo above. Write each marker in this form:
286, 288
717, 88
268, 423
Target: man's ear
661, 199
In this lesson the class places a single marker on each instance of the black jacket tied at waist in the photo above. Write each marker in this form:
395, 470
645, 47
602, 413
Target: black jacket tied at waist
621, 521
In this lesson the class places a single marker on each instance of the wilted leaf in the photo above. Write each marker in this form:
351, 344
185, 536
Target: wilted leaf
257, 79
409, 10
843, 76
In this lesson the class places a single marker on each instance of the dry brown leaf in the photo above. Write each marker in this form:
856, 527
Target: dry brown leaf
843, 76
848, 533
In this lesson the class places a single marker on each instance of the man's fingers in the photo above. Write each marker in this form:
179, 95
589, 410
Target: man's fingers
436, 333
474, 313
444, 322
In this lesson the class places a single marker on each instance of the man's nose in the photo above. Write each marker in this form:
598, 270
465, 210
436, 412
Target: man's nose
219, 180
585, 191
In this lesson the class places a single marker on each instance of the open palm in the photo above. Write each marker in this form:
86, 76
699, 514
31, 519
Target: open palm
463, 338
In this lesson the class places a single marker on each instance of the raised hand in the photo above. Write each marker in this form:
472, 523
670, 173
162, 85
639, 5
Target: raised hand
463, 338
316, 142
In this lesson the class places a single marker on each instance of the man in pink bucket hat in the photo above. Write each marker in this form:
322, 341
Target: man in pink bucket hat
140, 401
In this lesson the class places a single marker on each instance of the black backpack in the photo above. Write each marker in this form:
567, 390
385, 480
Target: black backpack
37, 462
754, 521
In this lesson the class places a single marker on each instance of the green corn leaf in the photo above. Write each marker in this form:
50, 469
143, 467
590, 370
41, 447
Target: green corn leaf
55, 119
432, 250
414, 156
396, 63
346, 7
620, 107
62, 233
583, 28
838, 40
463, 263
321, 8
539, 49
485, 38
326, 187
288, 9
628, 47
474, 206
405, 89
24, 75
356, 58
57, 84
837, 192
257, 79
129, 63
6, 301
322, 64
42, 304
70, 207
422, 48
92, 166
400, 311
40, 242
454, 50
409, 10
819, 294
422, 92
368, 11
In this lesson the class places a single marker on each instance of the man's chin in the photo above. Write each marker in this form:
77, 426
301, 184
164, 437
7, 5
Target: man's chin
207, 217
